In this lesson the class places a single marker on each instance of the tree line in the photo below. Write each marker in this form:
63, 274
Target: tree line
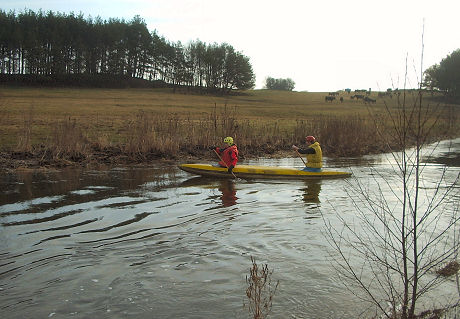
445, 76
56, 45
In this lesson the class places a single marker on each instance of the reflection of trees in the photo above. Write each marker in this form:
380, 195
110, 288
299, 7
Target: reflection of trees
311, 191
227, 187
28, 185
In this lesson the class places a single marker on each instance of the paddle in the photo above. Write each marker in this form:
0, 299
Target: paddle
224, 163
300, 157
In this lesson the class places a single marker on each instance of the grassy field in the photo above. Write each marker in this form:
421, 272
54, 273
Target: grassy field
145, 122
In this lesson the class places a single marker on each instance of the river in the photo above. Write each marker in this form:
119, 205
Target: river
157, 242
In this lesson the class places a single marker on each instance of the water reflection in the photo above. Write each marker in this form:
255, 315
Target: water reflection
450, 159
131, 242
225, 186
311, 191
78, 185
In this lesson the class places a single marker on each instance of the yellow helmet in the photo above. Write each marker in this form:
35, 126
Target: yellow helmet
228, 140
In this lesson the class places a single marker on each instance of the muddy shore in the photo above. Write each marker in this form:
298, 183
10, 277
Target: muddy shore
107, 158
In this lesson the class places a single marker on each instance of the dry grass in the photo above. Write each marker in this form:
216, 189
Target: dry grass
142, 122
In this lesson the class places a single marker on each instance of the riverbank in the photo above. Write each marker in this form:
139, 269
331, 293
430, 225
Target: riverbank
110, 157
61, 127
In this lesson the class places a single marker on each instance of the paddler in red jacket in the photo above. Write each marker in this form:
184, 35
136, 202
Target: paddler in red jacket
228, 154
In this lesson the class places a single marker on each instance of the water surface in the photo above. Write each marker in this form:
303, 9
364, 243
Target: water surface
156, 242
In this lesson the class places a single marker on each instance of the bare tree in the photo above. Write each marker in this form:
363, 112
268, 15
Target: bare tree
405, 231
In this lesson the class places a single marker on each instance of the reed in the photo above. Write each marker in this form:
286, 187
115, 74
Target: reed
24, 138
149, 135
142, 125
68, 140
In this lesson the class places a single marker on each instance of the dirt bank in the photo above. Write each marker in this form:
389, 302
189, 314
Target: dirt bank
109, 157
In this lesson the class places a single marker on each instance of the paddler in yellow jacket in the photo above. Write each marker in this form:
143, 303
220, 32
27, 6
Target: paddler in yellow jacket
314, 154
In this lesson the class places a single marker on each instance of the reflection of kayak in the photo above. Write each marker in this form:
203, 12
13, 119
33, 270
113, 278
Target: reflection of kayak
201, 181
253, 171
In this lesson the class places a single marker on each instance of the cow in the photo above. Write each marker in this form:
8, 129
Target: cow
341, 99
329, 98
369, 100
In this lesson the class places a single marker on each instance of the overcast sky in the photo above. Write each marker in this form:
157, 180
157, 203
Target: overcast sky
324, 45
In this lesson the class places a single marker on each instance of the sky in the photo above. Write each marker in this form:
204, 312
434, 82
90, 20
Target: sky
323, 46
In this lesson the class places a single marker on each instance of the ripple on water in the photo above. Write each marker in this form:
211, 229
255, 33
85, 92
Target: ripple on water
157, 242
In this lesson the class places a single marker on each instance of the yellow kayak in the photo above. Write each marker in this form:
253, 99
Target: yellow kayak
254, 171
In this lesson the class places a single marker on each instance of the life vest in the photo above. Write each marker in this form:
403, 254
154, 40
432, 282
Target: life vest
315, 160
229, 156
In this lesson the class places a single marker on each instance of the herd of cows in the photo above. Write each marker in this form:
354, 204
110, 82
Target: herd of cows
362, 95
